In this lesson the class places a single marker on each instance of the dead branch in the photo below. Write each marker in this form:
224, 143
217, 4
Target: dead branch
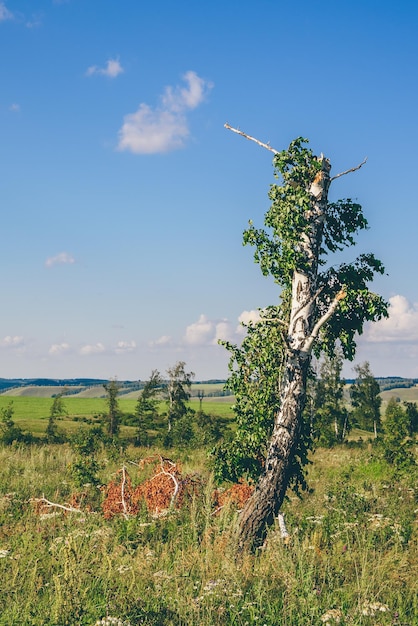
267, 146
50, 504
283, 530
122, 493
353, 169
172, 476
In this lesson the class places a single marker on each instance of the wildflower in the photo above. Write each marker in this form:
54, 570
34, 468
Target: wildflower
371, 608
48, 515
315, 519
210, 585
162, 574
112, 621
332, 615
378, 521
4, 553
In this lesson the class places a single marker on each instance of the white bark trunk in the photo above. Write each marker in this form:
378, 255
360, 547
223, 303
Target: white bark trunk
303, 329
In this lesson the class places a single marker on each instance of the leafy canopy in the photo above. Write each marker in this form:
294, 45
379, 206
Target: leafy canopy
279, 251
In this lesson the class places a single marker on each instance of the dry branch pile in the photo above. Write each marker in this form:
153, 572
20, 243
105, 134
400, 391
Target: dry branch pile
166, 489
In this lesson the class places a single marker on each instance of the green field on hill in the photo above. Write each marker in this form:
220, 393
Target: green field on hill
32, 413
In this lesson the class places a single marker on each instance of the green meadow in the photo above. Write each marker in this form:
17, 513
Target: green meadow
350, 556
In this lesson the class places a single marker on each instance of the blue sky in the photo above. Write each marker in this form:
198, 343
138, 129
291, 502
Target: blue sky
124, 198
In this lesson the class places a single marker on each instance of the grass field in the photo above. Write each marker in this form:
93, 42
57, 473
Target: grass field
351, 557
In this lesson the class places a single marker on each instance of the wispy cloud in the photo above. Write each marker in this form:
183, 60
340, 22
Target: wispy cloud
112, 69
58, 348
15, 108
5, 14
165, 127
63, 258
35, 22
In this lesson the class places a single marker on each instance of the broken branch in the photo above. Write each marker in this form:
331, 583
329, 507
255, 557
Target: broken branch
353, 169
267, 146
50, 504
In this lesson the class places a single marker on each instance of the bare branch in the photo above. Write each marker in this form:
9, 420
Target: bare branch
353, 169
164, 472
49, 504
283, 530
122, 493
260, 143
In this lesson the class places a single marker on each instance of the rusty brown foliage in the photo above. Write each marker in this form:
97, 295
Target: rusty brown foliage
235, 496
165, 489
119, 496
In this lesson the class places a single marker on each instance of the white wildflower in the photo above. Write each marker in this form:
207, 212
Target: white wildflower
112, 621
4, 553
332, 615
371, 608
48, 515
315, 519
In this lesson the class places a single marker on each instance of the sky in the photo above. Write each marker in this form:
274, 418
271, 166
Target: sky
123, 197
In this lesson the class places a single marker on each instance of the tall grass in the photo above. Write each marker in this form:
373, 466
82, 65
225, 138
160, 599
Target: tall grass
352, 557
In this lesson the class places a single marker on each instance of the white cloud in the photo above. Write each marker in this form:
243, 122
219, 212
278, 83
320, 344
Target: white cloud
178, 99
34, 23
246, 318
15, 108
123, 347
206, 332
5, 14
401, 325
58, 348
224, 331
164, 340
63, 258
112, 69
12, 342
89, 349
209, 332
163, 128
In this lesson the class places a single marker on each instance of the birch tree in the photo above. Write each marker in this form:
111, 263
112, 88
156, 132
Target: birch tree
330, 413
319, 305
365, 398
178, 392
